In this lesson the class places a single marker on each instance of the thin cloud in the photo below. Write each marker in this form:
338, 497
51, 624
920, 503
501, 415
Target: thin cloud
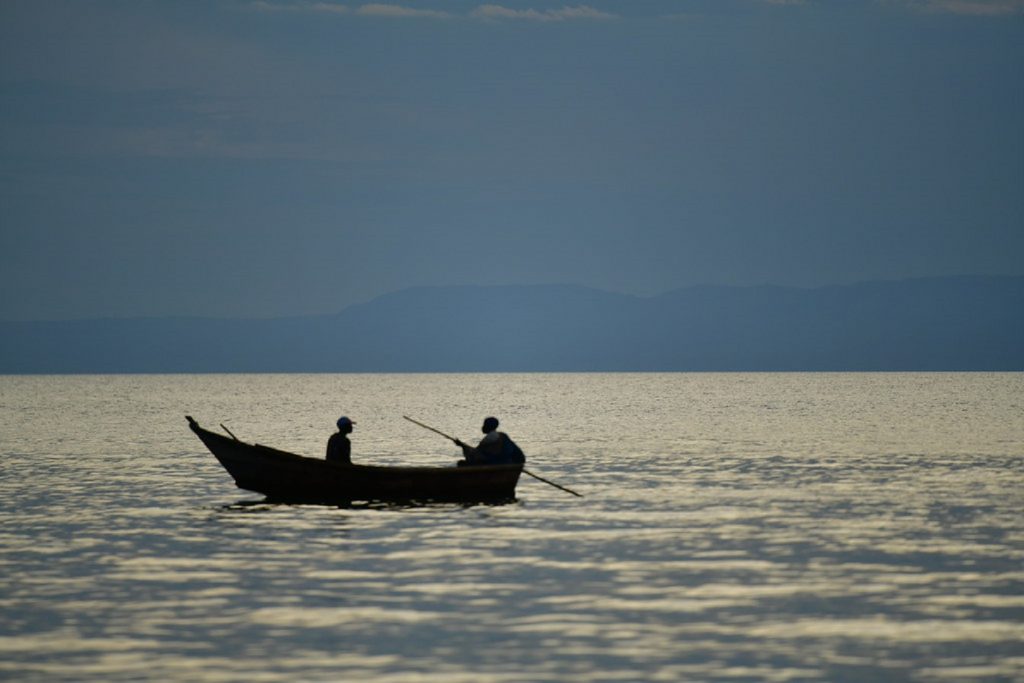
399, 12
501, 13
319, 7
979, 8
392, 11
373, 9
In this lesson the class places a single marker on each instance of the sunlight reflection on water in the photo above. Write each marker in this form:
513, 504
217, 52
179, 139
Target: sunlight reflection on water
735, 527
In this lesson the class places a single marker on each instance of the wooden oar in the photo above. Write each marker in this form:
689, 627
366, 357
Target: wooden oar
457, 442
557, 486
436, 431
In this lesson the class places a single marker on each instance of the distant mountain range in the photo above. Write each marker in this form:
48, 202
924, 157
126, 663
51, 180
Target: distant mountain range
952, 323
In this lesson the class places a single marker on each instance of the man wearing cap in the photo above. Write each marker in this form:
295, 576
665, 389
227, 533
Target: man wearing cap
339, 449
496, 448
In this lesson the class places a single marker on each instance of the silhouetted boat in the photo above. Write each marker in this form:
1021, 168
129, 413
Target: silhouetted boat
288, 477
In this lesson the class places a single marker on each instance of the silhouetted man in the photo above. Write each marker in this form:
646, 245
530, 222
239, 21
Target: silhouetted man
496, 448
339, 449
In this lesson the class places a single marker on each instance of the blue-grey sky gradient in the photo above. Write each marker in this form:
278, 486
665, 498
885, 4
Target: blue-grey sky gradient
234, 158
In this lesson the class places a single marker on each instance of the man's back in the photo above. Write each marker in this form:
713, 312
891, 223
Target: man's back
339, 449
496, 448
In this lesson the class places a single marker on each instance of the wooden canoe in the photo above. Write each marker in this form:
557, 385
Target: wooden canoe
287, 477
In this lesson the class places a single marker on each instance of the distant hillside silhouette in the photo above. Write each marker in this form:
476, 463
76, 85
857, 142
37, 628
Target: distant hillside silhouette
954, 323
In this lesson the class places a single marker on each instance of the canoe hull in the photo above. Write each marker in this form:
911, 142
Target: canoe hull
288, 477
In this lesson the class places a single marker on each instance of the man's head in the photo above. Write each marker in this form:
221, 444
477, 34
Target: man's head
345, 425
490, 424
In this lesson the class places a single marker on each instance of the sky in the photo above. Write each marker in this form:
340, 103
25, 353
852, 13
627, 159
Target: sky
237, 158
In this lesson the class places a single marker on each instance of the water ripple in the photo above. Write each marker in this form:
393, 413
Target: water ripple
734, 527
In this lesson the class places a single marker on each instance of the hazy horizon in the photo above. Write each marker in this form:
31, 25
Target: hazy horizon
966, 323
538, 285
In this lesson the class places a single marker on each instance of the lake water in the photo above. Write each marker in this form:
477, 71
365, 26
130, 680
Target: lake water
735, 527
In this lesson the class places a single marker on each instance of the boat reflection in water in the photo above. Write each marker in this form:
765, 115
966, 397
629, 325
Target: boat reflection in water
287, 477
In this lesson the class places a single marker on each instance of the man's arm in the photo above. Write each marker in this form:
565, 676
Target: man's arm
468, 452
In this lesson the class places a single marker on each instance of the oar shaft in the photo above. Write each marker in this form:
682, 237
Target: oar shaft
436, 431
551, 483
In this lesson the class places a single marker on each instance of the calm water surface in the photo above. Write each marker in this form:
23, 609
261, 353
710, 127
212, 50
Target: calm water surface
762, 527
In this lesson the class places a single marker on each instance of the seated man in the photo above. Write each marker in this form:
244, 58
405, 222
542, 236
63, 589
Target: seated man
339, 449
496, 448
